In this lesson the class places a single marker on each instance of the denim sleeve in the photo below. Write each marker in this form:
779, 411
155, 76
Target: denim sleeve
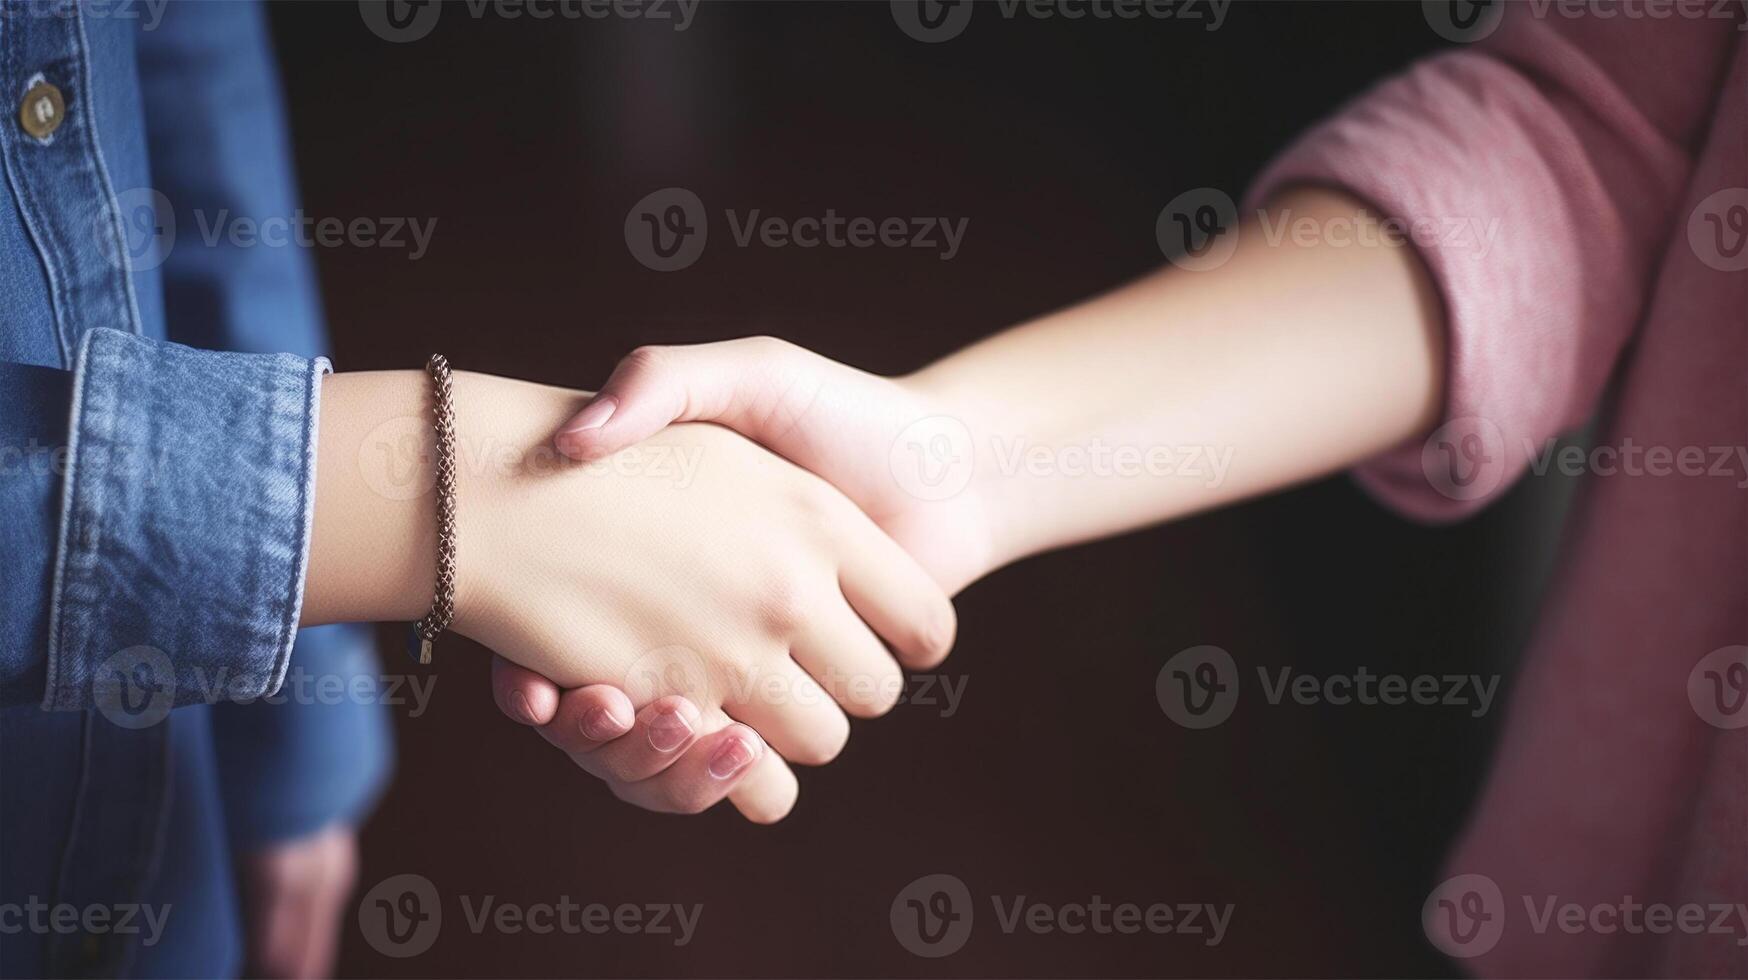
184, 525
320, 750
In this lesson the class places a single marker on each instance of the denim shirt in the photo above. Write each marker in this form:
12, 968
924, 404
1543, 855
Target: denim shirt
155, 498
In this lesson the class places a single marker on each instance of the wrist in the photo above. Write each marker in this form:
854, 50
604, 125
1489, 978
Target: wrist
372, 553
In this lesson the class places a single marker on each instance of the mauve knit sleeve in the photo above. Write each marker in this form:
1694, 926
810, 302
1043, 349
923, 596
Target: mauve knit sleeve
1538, 172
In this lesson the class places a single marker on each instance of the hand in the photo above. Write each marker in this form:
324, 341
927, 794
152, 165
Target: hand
867, 435
695, 564
294, 896
654, 758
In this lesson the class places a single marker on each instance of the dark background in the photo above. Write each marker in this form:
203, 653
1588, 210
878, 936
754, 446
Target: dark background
1059, 778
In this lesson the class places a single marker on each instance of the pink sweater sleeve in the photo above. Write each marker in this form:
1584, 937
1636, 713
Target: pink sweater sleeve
1538, 173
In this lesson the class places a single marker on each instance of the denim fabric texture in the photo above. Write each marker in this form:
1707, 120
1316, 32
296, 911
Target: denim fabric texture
159, 397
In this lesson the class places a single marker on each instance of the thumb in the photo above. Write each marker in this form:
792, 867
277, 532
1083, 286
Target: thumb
653, 387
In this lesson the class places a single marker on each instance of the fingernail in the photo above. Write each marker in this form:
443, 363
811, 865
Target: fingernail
600, 725
593, 417
733, 755
668, 730
524, 710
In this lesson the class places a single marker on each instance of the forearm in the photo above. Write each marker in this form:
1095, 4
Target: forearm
1286, 363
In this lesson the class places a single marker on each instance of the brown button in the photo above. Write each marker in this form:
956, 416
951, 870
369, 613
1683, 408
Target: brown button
42, 111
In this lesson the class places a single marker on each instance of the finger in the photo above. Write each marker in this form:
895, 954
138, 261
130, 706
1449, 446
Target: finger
714, 766
849, 661
523, 695
895, 596
791, 711
767, 791
588, 718
733, 382
665, 729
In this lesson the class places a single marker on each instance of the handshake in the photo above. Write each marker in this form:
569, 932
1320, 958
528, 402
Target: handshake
686, 639
713, 599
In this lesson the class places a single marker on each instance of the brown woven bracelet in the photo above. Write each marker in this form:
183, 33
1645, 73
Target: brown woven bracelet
426, 630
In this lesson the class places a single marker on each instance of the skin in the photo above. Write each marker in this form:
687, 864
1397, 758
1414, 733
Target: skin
737, 610
1292, 360
1300, 360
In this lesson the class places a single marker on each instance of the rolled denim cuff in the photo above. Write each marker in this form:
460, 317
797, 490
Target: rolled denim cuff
185, 525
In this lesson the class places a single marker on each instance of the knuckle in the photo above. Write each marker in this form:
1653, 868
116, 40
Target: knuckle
766, 346
780, 605
647, 358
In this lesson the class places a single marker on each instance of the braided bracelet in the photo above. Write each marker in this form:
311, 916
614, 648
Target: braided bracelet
426, 630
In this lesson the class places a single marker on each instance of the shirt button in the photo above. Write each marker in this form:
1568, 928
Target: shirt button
42, 111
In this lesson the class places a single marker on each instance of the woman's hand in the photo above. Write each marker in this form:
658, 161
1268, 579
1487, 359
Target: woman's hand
894, 447
694, 564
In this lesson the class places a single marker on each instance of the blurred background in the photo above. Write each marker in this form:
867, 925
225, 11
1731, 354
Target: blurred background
1053, 772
